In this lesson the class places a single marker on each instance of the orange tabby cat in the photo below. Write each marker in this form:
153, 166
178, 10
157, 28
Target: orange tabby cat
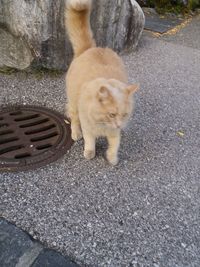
99, 99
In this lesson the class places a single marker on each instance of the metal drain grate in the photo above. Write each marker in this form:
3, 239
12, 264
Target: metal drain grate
31, 137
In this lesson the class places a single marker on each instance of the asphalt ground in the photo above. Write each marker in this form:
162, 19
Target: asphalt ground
146, 211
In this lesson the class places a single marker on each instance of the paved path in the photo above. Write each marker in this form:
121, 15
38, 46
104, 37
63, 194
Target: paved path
146, 211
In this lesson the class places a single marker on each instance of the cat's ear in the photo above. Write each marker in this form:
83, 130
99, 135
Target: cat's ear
103, 94
131, 89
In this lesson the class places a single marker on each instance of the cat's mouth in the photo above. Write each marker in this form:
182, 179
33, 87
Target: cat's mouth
110, 125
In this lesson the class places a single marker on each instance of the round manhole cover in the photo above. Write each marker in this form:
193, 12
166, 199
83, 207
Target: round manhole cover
31, 137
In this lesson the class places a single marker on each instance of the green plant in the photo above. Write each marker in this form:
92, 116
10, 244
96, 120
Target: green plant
193, 4
175, 6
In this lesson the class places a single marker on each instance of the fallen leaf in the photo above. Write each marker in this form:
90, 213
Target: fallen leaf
180, 133
67, 122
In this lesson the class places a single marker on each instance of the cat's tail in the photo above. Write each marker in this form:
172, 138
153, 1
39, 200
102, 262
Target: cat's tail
77, 20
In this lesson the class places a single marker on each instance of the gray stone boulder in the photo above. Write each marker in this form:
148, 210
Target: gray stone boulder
32, 33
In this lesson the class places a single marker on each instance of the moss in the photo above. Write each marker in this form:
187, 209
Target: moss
39, 73
174, 7
7, 70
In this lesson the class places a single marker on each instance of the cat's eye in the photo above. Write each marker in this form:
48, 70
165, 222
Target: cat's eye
112, 115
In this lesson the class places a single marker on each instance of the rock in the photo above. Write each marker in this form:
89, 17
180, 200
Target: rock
14, 52
117, 24
32, 33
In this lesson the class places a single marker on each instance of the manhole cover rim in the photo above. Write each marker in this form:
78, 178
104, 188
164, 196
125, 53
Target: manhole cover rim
55, 152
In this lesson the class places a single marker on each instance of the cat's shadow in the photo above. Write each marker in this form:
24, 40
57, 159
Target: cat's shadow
101, 147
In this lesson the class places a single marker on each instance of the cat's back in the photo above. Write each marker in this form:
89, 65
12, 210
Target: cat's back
97, 62
101, 56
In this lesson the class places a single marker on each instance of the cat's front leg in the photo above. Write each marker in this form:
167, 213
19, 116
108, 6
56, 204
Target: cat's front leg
112, 152
72, 114
76, 130
89, 147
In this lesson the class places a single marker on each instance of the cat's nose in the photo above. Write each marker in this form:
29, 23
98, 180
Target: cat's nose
118, 124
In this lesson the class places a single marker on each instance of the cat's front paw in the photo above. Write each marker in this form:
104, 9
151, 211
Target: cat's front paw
77, 134
112, 158
89, 154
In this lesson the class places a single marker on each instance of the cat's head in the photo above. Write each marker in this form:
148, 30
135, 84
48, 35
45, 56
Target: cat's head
113, 104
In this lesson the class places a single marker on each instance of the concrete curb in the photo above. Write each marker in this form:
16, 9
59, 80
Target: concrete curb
18, 249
